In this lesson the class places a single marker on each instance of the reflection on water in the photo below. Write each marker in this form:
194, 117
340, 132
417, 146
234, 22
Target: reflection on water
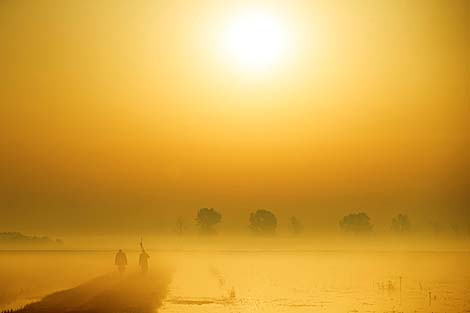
329, 281
262, 281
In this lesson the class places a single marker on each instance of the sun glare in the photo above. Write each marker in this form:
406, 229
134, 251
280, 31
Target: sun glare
256, 40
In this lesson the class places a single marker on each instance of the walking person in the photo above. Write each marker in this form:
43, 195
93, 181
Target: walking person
120, 261
143, 259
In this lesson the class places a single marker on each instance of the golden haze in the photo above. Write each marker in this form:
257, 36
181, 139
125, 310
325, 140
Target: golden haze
128, 110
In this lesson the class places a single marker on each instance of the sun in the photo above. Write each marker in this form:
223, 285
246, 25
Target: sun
256, 40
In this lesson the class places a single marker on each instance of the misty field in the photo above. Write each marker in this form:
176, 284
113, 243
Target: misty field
259, 281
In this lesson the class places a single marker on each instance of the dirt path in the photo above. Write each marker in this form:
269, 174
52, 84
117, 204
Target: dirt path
112, 293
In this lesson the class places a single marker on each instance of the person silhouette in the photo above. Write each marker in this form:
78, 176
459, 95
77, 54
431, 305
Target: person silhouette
143, 261
120, 261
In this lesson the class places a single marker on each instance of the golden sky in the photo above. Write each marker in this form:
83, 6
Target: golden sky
125, 114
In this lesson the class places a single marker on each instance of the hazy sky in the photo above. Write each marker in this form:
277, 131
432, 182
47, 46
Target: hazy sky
121, 115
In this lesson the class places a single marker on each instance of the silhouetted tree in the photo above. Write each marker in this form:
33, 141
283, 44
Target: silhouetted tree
179, 226
296, 226
263, 222
356, 223
206, 220
401, 224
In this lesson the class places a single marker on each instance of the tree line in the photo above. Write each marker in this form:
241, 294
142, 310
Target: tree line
264, 222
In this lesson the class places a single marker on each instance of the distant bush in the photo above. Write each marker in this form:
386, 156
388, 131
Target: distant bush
19, 239
356, 223
401, 224
296, 226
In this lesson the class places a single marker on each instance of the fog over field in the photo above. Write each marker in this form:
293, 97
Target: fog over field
239, 281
